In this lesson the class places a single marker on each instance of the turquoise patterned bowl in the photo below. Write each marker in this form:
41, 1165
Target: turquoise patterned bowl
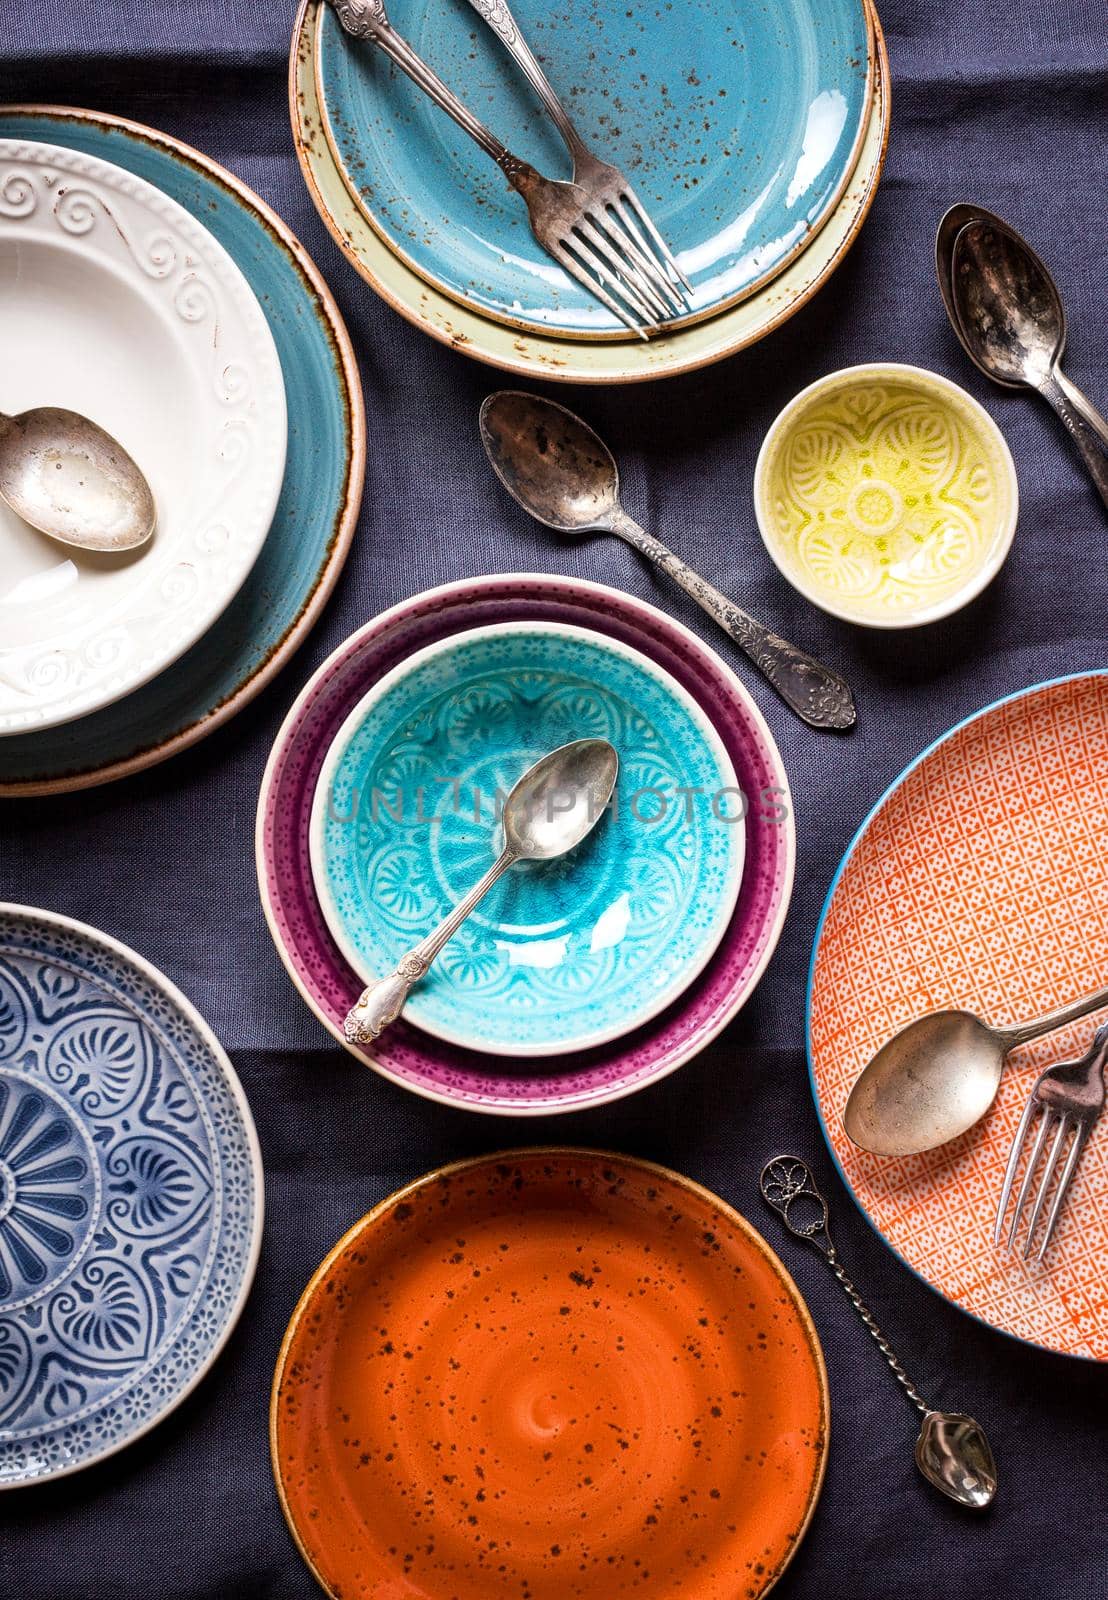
561, 955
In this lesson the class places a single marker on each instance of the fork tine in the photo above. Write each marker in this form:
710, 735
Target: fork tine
1063, 1184
1064, 1124
1013, 1163
647, 259
666, 253
1025, 1186
576, 269
626, 267
618, 284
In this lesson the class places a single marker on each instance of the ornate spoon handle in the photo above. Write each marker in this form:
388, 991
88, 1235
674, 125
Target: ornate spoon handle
381, 1002
789, 1189
1083, 408
1059, 393
814, 692
507, 30
367, 19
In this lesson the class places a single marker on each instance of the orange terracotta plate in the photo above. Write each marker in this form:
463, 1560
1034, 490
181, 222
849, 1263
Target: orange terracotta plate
544, 1375
980, 880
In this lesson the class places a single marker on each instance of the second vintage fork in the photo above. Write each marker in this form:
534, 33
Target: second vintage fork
575, 228
604, 183
1067, 1098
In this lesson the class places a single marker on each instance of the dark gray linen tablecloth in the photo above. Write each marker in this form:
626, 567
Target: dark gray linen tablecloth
1004, 101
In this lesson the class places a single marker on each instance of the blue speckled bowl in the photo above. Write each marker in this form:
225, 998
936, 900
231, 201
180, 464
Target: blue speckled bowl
561, 955
738, 126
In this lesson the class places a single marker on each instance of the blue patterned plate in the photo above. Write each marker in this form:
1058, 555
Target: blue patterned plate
561, 955
130, 1196
739, 127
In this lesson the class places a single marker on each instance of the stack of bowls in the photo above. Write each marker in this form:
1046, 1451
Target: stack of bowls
111, 661
755, 140
576, 982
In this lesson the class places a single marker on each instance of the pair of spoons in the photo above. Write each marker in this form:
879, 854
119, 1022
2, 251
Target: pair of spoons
71, 480
1007, 312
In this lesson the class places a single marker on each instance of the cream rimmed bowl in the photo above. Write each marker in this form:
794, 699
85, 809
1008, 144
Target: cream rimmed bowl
886, 495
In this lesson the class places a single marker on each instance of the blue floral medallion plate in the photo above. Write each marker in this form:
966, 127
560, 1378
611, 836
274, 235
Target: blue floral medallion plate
561, 955
130, 1196
738, 126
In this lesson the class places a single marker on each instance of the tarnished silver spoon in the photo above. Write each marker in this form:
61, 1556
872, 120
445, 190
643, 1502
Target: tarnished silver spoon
71, 480
1007, 312
553, 806
938, 1076
559, 470
952, 1451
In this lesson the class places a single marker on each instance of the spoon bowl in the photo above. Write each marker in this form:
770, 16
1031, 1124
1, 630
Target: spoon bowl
929, 1083
954, 1455
550, 462
71, 480
1008, 308
559, 800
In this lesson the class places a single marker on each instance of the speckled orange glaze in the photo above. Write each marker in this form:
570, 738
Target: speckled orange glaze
545, 1375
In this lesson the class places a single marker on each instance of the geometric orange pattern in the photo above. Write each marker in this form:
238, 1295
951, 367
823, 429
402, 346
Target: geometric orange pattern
981, 881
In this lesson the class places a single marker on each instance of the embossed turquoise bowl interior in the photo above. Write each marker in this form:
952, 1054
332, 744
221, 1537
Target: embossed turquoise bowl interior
564, 954
737, 125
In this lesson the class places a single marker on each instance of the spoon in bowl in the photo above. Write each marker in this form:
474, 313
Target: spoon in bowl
1007, 312
72, 481
952, 1451
938, 1076
556, 803
564, 475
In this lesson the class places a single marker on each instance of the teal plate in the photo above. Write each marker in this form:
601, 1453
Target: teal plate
738, 126
561, 955
314, 523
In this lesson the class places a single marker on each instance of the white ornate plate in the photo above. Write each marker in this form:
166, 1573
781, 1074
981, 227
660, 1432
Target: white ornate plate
115, 302
130, 1196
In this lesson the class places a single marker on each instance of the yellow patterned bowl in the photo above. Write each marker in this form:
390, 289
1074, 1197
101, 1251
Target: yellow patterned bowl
886, 495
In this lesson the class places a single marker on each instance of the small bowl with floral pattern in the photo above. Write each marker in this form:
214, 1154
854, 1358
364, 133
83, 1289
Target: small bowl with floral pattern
886, 495
560, 955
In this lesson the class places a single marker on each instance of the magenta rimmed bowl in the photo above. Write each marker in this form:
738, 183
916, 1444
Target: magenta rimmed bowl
468, 1078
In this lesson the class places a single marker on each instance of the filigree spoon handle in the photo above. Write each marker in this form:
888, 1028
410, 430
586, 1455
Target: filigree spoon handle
952, 1451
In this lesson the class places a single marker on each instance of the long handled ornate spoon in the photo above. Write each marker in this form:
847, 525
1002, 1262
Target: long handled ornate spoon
560, 471
550, 810
952, 1452
71, 480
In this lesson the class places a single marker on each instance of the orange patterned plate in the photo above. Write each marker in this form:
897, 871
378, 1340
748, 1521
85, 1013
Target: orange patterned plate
550, 1375
979, 880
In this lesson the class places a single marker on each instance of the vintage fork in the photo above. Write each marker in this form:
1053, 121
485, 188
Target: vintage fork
566, 220
606, 185
1069, 1098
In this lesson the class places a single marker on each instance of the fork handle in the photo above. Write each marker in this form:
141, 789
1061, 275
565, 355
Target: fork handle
817, 695
367, 19
507, 30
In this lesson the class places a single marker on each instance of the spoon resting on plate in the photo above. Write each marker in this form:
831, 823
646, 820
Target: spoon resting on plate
71, 480
564, 475
952, 1451
1006, 310
552, 807
937, 1077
